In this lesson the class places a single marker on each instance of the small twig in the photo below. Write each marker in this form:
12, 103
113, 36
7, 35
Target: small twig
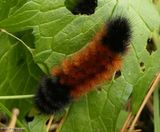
61, 122
12, 124
152, 88
49, 123
53, 127
139, 130
2, 125
149, 106
127, 122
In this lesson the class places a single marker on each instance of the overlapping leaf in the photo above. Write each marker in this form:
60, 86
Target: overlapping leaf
57, 33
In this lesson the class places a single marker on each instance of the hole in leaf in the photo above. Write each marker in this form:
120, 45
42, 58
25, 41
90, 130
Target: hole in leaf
142, 66
29, 118
99, 88
117, 74
47, 121
81, 6
151, 46
143, 69
3, 118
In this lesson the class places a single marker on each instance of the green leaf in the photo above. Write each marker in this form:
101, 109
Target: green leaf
143, 83
38, 124
5, 6
99, 110
19, 74
121, 120
52, 33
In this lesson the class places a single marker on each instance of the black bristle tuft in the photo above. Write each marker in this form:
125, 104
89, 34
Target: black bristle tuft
84, 7
118, 35
51, 96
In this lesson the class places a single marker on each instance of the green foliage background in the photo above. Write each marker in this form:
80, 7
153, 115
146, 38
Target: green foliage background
50, 33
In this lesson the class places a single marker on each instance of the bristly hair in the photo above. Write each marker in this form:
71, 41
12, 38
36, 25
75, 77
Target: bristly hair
84, 7
117, 35
51, 96
80, 73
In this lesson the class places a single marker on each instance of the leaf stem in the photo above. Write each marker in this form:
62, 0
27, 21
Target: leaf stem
49, 123
17, 97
